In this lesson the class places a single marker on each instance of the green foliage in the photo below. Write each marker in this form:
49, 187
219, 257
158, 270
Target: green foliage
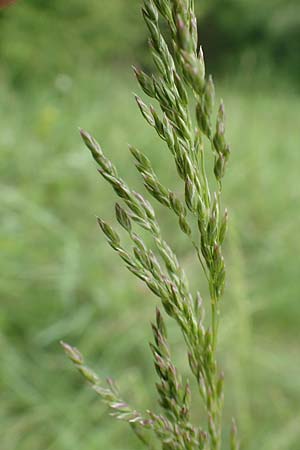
41, 39
256, 35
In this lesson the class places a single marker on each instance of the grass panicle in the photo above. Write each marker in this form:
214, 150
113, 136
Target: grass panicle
184, 119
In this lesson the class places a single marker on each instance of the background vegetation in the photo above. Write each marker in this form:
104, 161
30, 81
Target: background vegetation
65, 64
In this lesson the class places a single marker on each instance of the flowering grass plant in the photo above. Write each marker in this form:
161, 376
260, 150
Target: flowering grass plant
183, 117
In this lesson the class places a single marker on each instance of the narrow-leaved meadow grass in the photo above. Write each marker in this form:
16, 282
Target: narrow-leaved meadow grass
195, 137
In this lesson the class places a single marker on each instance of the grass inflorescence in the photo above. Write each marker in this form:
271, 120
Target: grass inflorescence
186, 122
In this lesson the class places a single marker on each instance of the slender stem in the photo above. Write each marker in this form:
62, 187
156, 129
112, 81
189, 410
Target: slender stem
201, 260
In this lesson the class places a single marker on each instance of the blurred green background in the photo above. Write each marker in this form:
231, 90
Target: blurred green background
67, 64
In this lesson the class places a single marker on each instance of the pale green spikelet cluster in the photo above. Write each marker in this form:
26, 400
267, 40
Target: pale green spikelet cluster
109, 394
178, 87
